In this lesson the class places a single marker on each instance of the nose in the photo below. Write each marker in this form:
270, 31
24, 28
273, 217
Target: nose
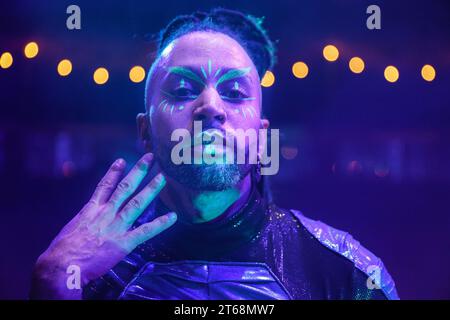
210, 109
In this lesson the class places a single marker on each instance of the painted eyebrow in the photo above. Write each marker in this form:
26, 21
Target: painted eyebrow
233, 74
185, 72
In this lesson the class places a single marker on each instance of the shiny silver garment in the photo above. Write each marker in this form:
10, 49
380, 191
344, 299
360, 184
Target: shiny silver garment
261, 252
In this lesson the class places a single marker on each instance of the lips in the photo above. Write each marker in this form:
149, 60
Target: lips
208, 137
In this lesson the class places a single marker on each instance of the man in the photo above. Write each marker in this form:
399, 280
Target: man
219, 235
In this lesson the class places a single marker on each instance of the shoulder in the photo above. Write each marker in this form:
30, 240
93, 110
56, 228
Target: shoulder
345, 245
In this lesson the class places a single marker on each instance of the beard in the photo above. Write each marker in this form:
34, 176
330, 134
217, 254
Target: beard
205, 177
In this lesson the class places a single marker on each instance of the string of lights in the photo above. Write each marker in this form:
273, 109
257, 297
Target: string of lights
300, 69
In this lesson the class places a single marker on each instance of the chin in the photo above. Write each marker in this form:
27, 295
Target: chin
215, 177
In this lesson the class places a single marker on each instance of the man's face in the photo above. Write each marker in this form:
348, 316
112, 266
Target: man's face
206, 77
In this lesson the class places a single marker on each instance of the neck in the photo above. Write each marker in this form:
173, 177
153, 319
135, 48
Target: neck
197, 206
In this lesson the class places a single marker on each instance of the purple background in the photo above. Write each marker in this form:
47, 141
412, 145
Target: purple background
359, 153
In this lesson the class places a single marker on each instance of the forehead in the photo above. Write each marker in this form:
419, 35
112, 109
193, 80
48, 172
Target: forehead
197, 48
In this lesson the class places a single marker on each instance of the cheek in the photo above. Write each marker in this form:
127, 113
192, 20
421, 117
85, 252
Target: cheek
166, 117
246, 115
167, 109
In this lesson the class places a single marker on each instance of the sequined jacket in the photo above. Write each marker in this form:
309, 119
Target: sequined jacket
261, 252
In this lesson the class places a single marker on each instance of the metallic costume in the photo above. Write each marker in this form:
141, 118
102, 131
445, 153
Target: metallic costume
261, 252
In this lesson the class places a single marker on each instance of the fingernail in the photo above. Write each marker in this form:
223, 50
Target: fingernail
172, 216
148, 157
160, 178
119, 162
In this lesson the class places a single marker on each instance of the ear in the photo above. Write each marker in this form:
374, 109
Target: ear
263, 138
144, 130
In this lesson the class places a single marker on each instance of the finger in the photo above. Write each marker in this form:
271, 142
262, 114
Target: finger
149, 230
106, 186
129, 184
134, 208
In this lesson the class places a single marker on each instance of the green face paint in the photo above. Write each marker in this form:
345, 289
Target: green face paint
185, 72
209, 67
204, 73
217, 72
232, 74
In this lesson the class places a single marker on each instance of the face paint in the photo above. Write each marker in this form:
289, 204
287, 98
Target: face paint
185, 72
190, 53
227, 76
232, 74
217, 72
160, 104
250, 112
165, 104
247, 110
204, 73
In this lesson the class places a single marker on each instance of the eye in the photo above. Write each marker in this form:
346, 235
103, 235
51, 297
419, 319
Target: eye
233, 94
183, 93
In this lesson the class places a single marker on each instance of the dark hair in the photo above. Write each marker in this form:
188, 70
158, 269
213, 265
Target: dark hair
245, 29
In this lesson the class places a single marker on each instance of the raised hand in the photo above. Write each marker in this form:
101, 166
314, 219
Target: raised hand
99, 236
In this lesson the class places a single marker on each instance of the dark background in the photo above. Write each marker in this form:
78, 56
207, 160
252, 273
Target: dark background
359, 153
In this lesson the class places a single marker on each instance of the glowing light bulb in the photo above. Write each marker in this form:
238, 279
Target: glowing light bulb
428, 72
6, 60
31, 50
356, 65
300, 70
64, 67
330, 53
101, 76
137, 74
268, 80
391, 74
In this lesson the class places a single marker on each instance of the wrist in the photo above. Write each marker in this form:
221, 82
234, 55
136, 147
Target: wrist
51, 281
